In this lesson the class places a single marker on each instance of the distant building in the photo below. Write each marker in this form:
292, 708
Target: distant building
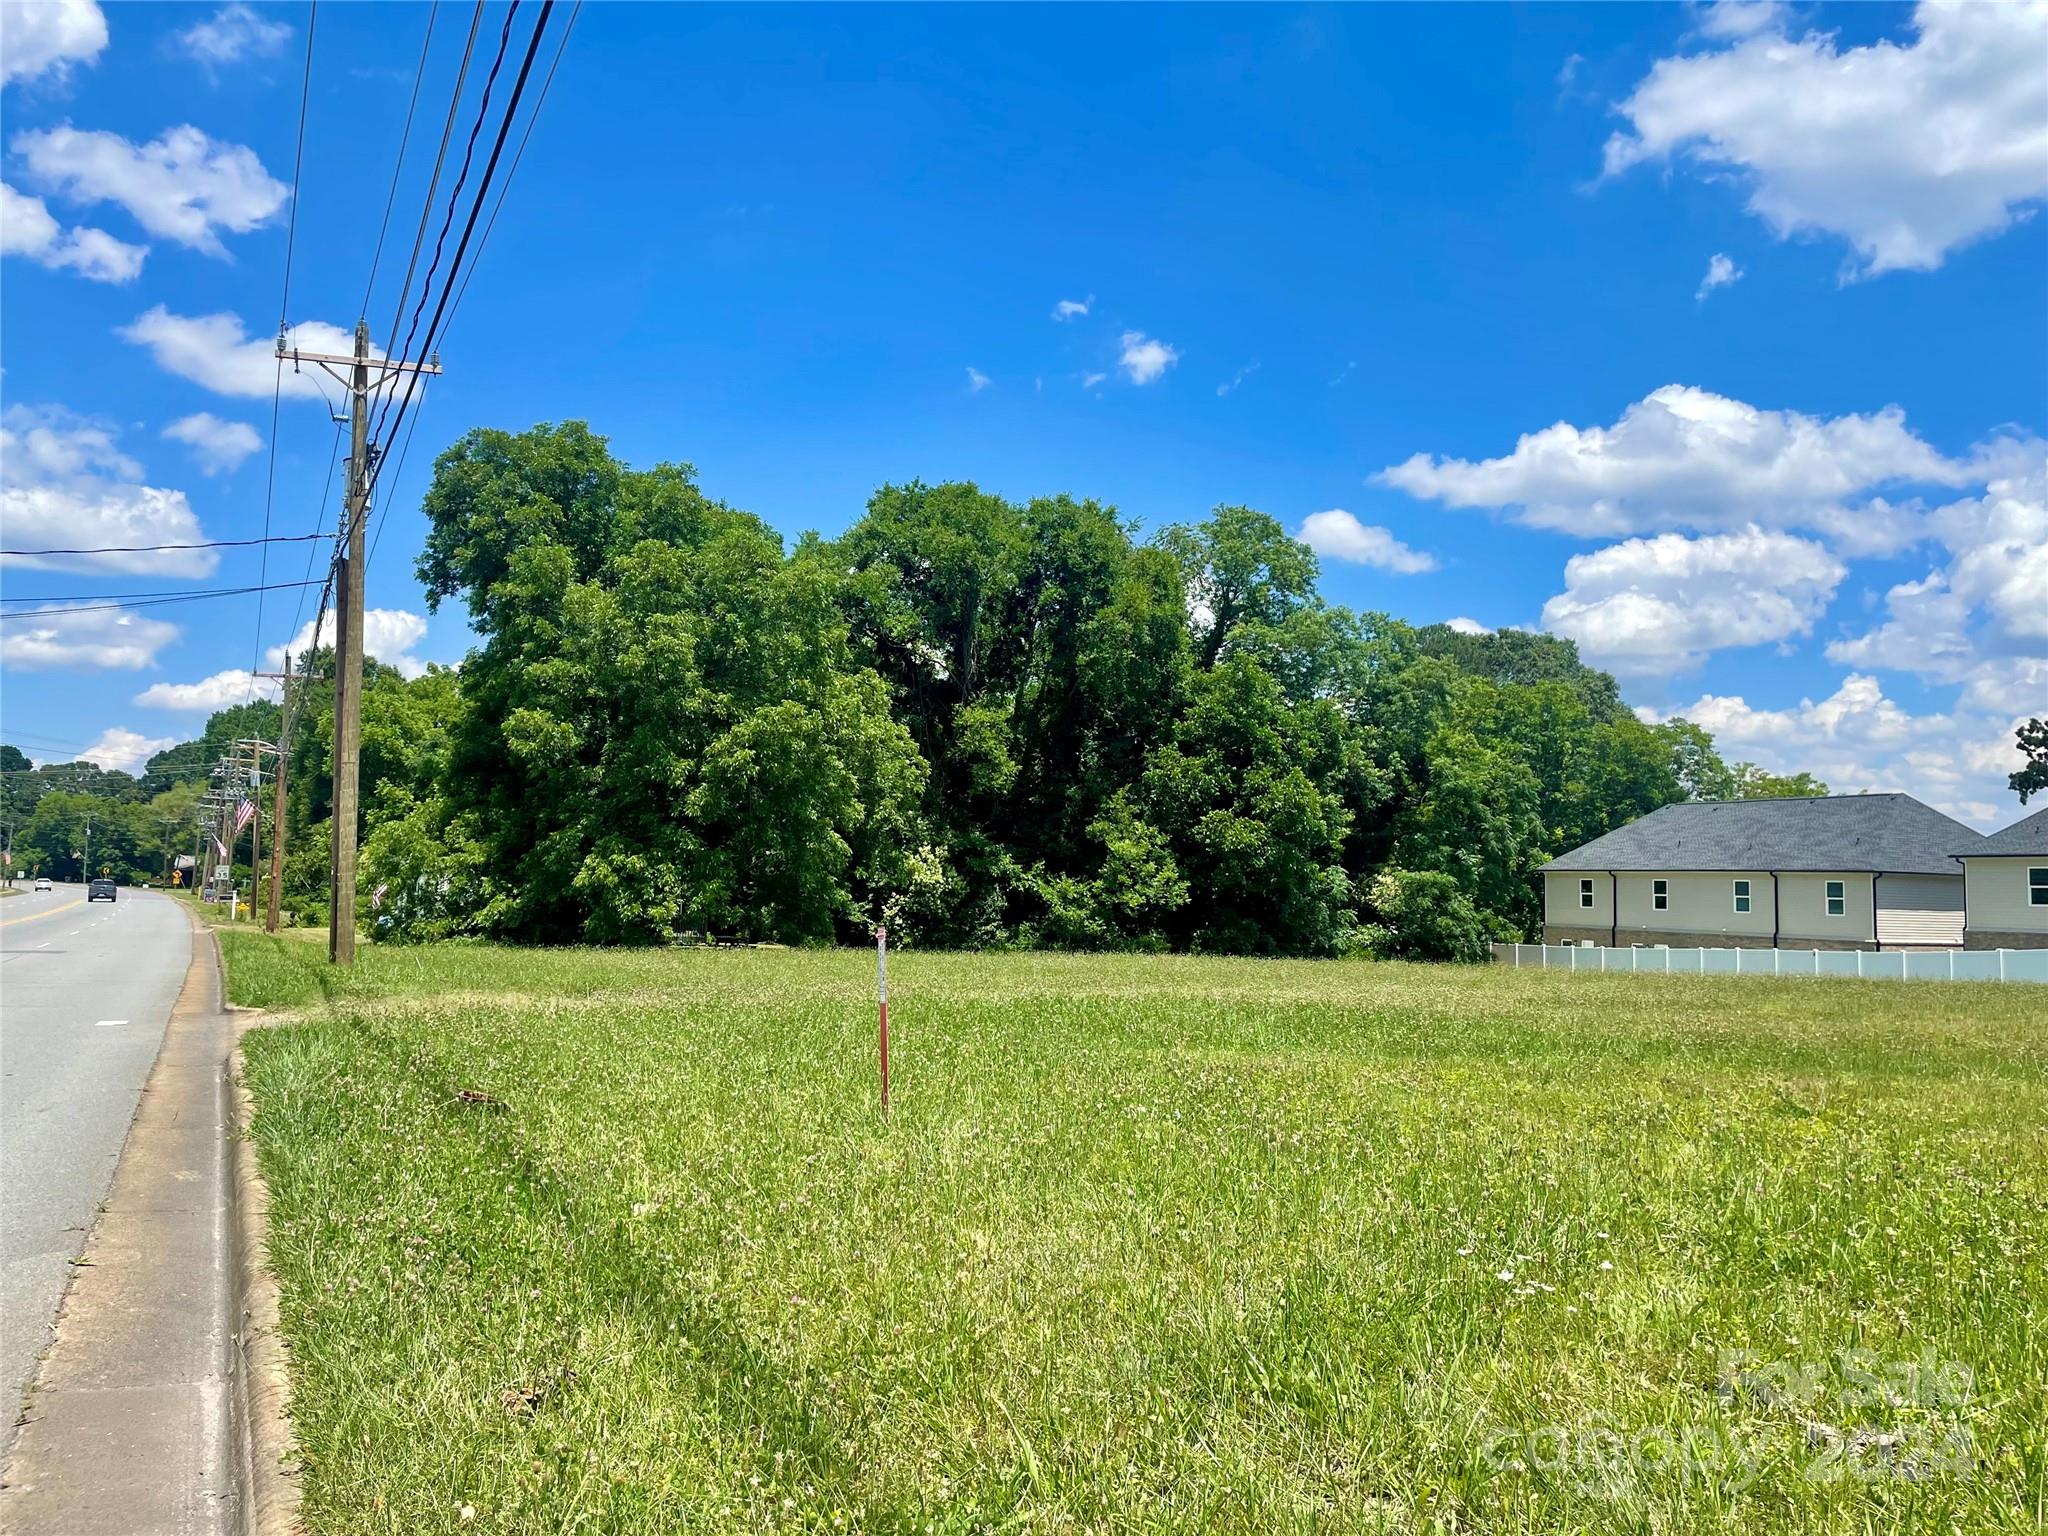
1825, 872
2005, 887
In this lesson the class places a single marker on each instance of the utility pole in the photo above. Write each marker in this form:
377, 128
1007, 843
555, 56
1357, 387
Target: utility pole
277, 800
348, 649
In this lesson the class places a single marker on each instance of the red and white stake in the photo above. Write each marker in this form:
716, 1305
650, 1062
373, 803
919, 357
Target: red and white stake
882, 977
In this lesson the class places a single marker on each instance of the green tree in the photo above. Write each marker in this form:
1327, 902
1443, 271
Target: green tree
1423, 914
2032, 739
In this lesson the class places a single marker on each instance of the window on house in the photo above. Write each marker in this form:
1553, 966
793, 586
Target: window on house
1837, 899
2037, 887
1585, 893
1660, 895
1742, 895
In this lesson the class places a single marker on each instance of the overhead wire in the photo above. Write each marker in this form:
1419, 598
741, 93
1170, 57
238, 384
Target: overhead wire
65, 607
398, 167
153, 549
470, 222
283, 316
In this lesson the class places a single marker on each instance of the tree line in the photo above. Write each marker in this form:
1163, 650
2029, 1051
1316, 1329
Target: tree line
986, 722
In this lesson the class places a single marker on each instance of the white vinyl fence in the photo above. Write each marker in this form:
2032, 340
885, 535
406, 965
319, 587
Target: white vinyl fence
1886, 965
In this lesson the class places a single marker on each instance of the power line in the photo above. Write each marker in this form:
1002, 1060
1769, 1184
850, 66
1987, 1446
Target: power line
491, 224
419, 238
66, 606
284, 304
517, 155
476, 208
404, 138
151, 549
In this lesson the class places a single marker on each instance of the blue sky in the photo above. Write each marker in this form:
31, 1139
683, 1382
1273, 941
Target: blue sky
1431, 285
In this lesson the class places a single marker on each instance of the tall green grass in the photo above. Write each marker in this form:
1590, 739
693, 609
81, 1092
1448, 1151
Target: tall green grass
581, 1241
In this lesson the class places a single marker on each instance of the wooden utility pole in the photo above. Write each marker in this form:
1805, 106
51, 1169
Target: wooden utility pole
356, 372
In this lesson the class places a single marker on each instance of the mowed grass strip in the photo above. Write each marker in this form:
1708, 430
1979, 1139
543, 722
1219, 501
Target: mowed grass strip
616, 1242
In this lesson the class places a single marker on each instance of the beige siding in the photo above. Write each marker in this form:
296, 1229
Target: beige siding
1920, 909
1998, 894
1803, 911
1697, 902
1561, 902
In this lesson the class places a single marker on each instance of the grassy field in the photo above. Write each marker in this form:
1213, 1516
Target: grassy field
596, 1242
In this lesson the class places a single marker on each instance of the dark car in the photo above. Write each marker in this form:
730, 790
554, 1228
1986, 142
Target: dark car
102, 887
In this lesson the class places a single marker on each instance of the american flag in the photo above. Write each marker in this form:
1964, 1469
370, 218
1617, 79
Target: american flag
223, 847
244, 814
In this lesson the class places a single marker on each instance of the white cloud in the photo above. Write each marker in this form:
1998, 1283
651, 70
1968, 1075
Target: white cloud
1462, 625
1858, 739
39, 36
977, 381
1970, 621
27, 228
217, 352
1742, 18
1090, 380
1069, 309
1236, 379
120, 750
65, 485
183, 186
1721, 271
218, 445
1656, 606
1685, 457
1907, 151
1338, 535
73, 637
223, 690
389, 634
1144, 359
232, 33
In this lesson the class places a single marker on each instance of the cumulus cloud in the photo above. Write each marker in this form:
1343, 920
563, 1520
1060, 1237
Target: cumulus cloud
217, 352
27, 228
1464, 626
231, 34
1143, 359
1688, 458
1661, 605
389, 634
120, 750
1338, 535
1859, 739
223, 690
40, 37
1071, 309
183, 186
1905, 150
977, 381
64, 484
1720, 273
218, 445
74, 637
1970, 620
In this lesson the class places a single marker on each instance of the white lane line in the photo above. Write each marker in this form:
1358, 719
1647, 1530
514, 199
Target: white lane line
110, 1023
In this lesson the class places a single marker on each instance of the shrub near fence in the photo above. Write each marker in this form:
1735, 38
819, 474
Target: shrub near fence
1867, 965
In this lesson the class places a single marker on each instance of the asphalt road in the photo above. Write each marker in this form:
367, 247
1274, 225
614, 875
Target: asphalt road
85, 992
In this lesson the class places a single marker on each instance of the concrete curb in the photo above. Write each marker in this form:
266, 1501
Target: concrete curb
270, 1452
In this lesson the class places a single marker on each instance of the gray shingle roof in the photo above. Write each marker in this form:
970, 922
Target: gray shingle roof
2027, 835
1887, 833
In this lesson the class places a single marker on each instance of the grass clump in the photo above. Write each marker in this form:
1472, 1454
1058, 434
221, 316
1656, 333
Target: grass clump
616, 1242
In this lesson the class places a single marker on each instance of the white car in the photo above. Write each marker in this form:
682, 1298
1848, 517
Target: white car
43, 884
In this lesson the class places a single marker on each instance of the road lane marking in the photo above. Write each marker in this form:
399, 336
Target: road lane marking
36, 917
110, 1023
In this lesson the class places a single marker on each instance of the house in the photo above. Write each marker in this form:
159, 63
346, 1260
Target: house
2005, 887
1823, 872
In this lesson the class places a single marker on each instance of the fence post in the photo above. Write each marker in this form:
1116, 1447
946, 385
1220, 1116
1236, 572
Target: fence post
2001, 965
1859, 965
1951, 965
